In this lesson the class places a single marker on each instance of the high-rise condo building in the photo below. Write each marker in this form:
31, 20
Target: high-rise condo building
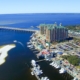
53, 32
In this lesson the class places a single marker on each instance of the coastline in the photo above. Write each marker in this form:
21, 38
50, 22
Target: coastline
36, 47
4, 52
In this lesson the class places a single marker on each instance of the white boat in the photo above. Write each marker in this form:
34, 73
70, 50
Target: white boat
37, 71
28, 43
75, 78
32, 73
36, 68
33, 63
30, 46
62, 70
44, 78
57, 66
51, 63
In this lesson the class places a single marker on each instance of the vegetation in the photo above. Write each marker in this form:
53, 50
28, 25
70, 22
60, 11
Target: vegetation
78, 67
75, 27
76, 39
74, 60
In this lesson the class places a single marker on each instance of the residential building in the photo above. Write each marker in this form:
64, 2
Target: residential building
54, 32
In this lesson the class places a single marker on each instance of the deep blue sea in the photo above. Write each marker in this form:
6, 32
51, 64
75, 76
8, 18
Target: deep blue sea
17, 65
27, 20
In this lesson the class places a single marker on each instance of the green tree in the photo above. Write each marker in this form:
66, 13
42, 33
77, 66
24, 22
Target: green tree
74, 60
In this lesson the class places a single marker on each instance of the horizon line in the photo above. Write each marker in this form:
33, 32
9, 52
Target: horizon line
43, 13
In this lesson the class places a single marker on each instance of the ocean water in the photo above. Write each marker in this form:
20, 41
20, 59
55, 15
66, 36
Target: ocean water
17, 65
27, 20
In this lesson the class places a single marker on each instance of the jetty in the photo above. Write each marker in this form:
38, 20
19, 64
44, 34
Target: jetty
41, 60
18, 29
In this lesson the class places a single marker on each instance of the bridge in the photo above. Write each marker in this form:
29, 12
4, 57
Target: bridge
17, 29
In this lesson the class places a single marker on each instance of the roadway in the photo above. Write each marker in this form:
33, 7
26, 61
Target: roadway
18, 29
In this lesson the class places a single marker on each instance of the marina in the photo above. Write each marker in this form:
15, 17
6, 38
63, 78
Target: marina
46, 57
17, 63
37, 72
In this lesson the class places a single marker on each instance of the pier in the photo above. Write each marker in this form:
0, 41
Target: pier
18, 29
41, 60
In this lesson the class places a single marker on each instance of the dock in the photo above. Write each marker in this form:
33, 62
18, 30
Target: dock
41, 60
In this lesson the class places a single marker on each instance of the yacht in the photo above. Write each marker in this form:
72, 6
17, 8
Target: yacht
44, 78
30, 46
56, 66
28, 43
33, 63
32, 73
52, 63
62, 70
36, 71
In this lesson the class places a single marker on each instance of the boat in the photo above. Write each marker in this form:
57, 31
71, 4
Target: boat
32, 35
32, 73
30, 46
56, 66
51, 63
36, 68
75, 78
62, 70
33, 63
28, 43
44, 78
36, 71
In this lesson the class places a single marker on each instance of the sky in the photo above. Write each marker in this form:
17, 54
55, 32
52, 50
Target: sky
39, 6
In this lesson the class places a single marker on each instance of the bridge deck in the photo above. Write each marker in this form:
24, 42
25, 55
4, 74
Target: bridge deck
19, 29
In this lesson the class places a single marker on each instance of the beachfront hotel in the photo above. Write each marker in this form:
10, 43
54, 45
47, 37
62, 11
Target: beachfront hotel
53, 32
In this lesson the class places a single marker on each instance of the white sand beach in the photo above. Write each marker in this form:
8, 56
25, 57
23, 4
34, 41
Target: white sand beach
4, 52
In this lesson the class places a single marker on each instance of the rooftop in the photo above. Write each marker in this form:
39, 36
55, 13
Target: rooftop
51, 26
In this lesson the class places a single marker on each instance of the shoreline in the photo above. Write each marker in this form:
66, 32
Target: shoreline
40, 50
4, 52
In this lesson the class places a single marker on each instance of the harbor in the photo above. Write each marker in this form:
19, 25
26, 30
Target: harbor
49, 55
17, 64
